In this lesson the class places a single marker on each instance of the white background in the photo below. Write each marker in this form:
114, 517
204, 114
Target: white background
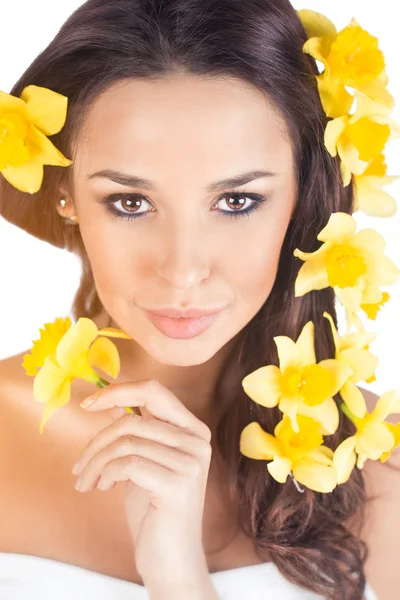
38, 281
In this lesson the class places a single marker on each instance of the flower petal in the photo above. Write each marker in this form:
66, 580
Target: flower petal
326, 413
350, 156
311, 276
305, 345
373, 440
368, 241
350, 297
333, 131
367, 107
383, 269
112, 332
374, 201
357, 339
322, 455
26, 178
335, 99
49, 381
353, 320
289, 406
339, 371
363, 362
280, 468
377, 90
264, 385
10, 103
257, 443
354, 399
316, 24
387, 404
288, 353
317, 48
335, 335
104, 355
315, 476
50, 335
43, 150
46, 109
76, 341
344, 459
339, 229
52, 406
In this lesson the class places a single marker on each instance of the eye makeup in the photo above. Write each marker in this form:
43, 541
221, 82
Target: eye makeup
112, 200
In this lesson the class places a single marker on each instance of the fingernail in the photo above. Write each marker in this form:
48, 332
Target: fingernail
87, 402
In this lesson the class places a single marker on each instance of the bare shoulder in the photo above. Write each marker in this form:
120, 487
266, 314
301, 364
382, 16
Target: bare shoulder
15, 389
382, 526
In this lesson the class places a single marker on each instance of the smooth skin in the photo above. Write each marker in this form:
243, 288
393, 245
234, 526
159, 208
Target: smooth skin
183, 133
164, 461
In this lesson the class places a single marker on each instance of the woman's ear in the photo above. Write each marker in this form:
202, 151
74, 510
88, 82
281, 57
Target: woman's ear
65, 205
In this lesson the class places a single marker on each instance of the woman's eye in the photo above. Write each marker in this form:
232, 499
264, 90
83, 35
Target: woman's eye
128, 206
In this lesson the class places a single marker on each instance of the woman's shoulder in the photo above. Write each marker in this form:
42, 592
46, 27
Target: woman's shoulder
15, 389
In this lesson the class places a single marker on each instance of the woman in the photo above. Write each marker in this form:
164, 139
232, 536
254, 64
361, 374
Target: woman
182, 115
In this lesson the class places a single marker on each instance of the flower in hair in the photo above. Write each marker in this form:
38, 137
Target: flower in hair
369, 196
64, 353
371, 310
360, 138
374, 438
352, 349
25, 123
301, 453
299, 385
350, 58
352, 264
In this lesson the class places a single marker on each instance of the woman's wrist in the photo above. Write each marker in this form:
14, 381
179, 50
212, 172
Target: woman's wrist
192, 583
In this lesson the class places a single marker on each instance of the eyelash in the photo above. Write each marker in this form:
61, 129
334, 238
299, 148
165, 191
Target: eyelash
257, 199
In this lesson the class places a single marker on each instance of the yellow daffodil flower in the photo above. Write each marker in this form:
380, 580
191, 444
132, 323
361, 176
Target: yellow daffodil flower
352, 349
299, 385
350, 58
373, 439
371, 310
361, 137
395, 431
369, 196
353, 264
24, 124
300, 453
65, 353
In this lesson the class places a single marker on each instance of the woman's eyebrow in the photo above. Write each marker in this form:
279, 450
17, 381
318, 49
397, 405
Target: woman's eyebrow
135, 181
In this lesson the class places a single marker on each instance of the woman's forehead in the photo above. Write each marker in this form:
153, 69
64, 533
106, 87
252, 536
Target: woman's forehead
184, 115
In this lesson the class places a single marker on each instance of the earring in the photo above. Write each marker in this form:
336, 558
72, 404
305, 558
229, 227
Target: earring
73, 218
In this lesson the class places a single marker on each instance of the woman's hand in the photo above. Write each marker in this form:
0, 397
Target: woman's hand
164, 456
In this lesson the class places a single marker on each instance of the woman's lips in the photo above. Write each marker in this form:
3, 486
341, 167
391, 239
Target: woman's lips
181, 328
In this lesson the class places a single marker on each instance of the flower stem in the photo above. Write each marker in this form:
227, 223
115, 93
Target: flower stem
102, 383
345, 409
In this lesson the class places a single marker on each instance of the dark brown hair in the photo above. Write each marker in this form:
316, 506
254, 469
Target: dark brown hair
313, 538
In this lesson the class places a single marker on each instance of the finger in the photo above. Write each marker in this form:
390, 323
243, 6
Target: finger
154, 478
151, 429
155, 397
171, 458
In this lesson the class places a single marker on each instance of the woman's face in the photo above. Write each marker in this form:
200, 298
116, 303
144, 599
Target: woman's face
190, 243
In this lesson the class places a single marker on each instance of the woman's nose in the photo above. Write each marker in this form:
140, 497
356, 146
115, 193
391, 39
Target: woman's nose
185, 259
